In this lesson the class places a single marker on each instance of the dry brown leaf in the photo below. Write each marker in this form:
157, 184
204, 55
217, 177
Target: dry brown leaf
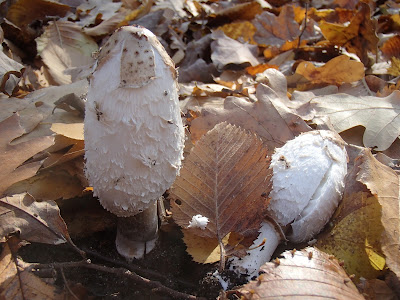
63, 45
379, 116
383, 183
391, 47
241, 11
268, 117
51, 184
226, 178
365, 226
35, 221
13, 156
305, 274
394, 68
336, 71
226, 51
374, 289
242, 31
276, 30
10, 72
24, 12
358, 37
17, 282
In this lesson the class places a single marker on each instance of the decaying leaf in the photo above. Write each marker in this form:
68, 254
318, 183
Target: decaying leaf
379, 116
336, 71
365, 226
63, 45
35, 221
13, 156
50, 184
17, 282
268, 117
10, 71
305, 274
383, 183
227, 51
276, 30
24, 12
225, 179
358, 37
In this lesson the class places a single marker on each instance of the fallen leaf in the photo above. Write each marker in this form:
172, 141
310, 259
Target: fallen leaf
225, 179
241, 11
391, 47
35, 221
241, 31
365, 226
383, 183
226, 51
276, 30
376, 289
63, 45
358, 37
268, 117
50, 184
379, 116
72, 131
16, 168
305, 274
394, 68
94, 11
206, 250
24, 12
37, 110
18, 282
336, 71
10, 72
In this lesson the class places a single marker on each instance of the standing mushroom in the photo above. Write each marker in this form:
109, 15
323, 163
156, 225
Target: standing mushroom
134, 135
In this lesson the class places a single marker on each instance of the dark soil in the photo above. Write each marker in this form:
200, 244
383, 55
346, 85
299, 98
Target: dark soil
168, 263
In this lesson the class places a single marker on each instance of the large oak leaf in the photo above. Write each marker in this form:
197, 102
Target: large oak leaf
379, 116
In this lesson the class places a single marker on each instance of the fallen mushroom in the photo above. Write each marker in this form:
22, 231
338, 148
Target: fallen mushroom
134, 135
308, 181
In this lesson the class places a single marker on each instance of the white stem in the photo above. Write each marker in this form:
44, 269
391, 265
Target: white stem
255, 258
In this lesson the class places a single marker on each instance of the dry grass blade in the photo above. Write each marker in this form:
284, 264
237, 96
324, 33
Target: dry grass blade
226, 178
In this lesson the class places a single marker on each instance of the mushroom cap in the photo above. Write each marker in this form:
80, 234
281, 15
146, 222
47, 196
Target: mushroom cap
134, 135
308, 181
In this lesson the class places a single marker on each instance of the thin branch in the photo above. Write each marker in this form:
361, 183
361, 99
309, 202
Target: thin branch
66, 284
305, 24
137, 268
153, 285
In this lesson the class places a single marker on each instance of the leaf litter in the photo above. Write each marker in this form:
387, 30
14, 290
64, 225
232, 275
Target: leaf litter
302, 67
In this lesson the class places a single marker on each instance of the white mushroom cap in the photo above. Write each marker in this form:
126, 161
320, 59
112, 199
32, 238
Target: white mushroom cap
134, 135
308, 181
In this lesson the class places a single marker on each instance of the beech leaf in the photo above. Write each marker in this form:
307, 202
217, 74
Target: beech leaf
35, 221
226, 178
305, 274
379, 116
15, 155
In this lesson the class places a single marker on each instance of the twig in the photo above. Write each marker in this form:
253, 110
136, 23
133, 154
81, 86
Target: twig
66, 284
153, 285
136, 268
305, 25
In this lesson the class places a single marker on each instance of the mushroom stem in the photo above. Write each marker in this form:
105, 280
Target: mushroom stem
137, 235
